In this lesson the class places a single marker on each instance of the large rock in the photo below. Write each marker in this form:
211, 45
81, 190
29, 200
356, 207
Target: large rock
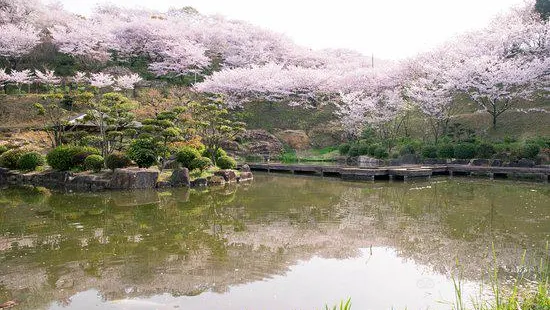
227, 175
523, 163
366, 161
245, 176
245, 168
260, 142
296, 139
180, 177
480, 162
134, 178
409, 159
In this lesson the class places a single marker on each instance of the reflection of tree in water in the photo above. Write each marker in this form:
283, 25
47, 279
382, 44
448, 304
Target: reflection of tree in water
185, 242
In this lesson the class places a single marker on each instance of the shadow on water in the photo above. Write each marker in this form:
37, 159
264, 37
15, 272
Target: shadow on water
281, 240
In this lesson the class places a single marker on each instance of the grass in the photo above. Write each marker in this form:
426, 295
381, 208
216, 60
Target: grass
327, 154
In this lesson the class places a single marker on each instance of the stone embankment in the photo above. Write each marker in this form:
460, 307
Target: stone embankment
120, 179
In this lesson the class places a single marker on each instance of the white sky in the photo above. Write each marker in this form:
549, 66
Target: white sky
391, 29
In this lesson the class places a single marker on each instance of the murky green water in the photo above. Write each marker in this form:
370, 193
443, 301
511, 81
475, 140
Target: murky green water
281, 242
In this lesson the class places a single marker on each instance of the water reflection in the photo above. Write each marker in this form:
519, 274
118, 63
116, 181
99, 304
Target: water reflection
301, 239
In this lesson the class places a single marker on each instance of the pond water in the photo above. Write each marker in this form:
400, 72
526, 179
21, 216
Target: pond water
280, 242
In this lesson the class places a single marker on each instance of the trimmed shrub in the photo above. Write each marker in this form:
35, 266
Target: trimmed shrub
9, 158
465, 150
201, 163
61, 158
354, 151
344, 148
445, 151
226, 162
117, 160
363, 149
529, 151
407, 149
485, 150
429, 151
29, 161
186, 155
3, 149
381, 153
81, 153
143, 152
94, 163
219, 153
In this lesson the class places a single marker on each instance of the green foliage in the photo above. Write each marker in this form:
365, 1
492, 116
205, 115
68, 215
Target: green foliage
3, 149
30, 161
201, 163
344, 148
289, 157
381, 153
485, 150
186, 155
342, 306
219, 153
429, 151
143, 152
117, 160
61, 158
465, 150
10, 158
82, 152
407, 149
354, 151
529, 151
445, 150
94, 163
226, 162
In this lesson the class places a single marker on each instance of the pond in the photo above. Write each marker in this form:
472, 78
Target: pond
280, 242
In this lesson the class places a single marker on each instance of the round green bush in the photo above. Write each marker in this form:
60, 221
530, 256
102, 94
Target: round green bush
363, 149
429, 151
344, 148
219, 153
226, 162
61, 158
117, 160
372, 149
485, 150
9, 158
143, 152
3, 149
407, 149
29, 161
354, 151
201, 163
445, 151
381, 153
186, 155
94, 163
465, 150
529, 151
81, 153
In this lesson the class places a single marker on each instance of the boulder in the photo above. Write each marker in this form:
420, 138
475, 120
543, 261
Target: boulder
245, 168
496, 163
245, 176
216, 180
460, 162
409, 159
480, 162
134, 178
180, 177
366, 161
227, 175
296, 139
200, 182
260, 142
434, 161
524, 163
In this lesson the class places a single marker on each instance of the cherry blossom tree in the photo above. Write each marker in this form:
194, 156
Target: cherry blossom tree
17, 40
128, 81
47, 78
20, 78
101, 80
4, 78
